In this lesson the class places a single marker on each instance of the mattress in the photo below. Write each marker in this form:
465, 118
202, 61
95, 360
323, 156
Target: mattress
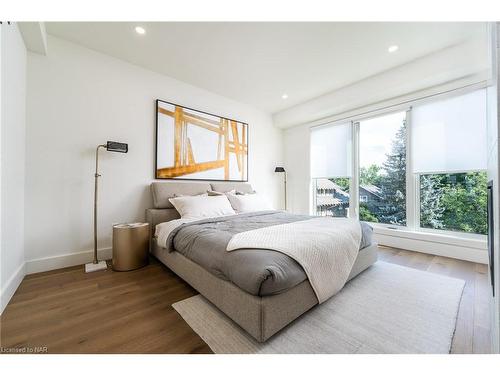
259, 272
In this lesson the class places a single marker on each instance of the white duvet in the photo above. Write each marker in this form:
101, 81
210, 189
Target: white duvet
325, 247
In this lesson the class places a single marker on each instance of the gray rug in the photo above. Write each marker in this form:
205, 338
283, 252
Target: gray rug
386, 309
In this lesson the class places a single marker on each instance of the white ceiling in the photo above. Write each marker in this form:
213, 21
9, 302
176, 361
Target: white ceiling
256, 63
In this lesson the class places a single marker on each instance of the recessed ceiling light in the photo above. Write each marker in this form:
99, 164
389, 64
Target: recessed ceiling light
393, 48
140, 30
284, 96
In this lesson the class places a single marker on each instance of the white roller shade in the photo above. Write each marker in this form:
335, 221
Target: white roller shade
331, 147
450, 135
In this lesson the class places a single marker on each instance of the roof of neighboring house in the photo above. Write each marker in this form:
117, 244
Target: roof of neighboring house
327, 200
372, 189
323, 183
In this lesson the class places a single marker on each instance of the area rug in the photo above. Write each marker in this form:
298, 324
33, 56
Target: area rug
386, 309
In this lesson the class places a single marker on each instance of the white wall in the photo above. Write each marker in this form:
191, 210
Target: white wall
77, 99
297, 164
13, 99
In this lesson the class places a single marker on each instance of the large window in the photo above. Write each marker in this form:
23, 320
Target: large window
423, 167
382, 169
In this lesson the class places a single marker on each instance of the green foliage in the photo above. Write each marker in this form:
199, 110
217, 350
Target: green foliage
459, 202
342, 182
432, 209
370, 175
365, 214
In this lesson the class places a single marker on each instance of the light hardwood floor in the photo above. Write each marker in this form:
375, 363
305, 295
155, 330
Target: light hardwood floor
68, 311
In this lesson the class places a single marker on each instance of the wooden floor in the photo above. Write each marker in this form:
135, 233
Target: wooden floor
68, 311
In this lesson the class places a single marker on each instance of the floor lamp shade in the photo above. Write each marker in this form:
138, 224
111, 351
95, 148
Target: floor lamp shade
117, 146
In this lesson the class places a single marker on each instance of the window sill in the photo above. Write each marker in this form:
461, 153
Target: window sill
439, 238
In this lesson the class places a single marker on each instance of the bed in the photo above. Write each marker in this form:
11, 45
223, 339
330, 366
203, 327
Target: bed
261, 290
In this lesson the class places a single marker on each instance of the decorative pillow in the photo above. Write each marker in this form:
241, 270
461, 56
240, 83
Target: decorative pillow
197, 207
248, 202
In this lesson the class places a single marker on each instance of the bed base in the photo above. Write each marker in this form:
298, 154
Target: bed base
261, 317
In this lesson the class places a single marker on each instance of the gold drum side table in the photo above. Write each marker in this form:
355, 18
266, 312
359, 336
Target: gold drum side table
130, 246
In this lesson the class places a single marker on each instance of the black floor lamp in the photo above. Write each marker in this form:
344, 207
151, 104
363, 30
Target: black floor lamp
97, 265
282, 170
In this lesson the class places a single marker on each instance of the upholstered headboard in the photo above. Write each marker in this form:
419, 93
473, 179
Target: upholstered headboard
162, 191
224, 187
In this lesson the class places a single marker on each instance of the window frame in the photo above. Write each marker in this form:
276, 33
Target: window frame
412, 179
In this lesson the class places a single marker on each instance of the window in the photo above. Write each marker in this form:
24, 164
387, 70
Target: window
449, 162
423, 168
454, 202
450, 135
382, 171
331, 169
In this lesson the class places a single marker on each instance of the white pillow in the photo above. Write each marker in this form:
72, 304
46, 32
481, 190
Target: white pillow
248, 202
194, 207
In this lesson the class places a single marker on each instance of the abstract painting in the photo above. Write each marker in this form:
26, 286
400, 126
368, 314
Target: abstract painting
195, 145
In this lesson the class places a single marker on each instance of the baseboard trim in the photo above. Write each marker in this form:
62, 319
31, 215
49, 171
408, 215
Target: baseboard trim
448, 250
66, 260
11, 286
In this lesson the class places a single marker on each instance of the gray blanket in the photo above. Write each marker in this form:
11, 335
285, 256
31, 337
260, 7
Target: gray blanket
258, 272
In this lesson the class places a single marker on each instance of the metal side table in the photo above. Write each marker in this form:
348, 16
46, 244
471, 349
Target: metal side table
130, 246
